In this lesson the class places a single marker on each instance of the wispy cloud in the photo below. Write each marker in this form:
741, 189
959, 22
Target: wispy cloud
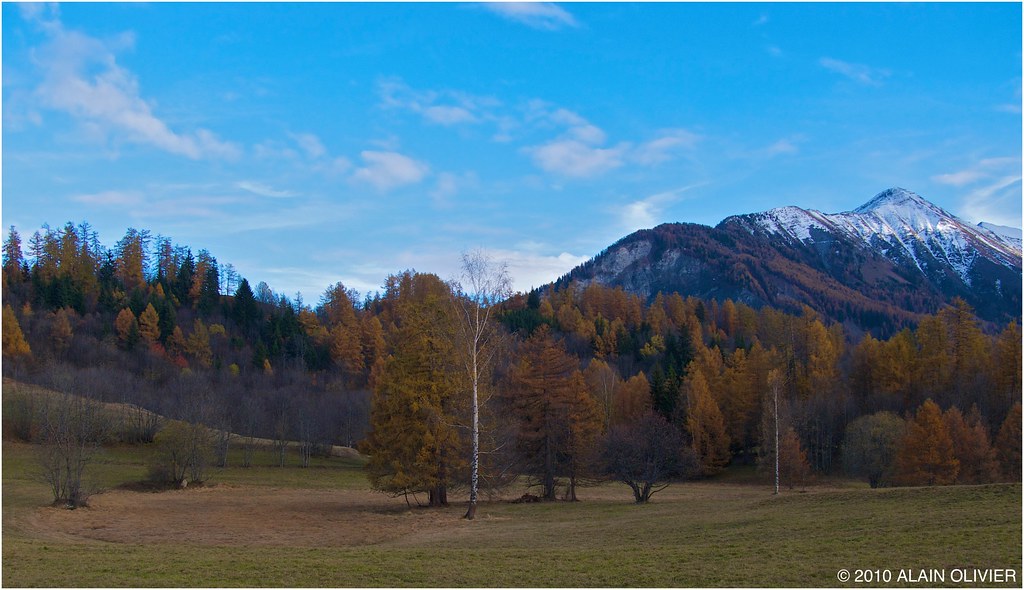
446, 107
263, 190
859, 73
110, 198
647, 212
388, 170
761, 21
663, 148
81, 77
783, 147
545, 16
571, 157
993, 190
983, 169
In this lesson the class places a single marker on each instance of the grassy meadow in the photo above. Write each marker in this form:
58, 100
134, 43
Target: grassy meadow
322, 526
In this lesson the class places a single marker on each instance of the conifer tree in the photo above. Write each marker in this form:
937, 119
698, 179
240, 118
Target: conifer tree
925, 456
541, 398
632, 400
14, 343
13, 258
1008, 442
971, 446
414, 444
149, 324
705, 425
793, 466
125, 324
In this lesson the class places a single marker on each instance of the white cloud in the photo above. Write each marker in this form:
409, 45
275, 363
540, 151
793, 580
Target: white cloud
761, 21
993, 190
110, 198
781, 147
647, 212
986, 168
660, 149
263, 190
538, 15
448, 115
997, 201
570, 157
81, 77
531, 269
445, 107
387, 170
859, 73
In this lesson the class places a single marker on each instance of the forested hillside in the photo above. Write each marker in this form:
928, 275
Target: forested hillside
572, 377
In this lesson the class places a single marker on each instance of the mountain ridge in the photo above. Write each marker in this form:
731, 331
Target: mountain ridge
877, 267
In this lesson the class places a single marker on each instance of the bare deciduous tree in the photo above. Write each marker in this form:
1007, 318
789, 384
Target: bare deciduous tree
484, 284
646, 455
71, 430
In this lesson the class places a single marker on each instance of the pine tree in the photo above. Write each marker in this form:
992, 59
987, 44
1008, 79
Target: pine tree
926, 455
244, 309
13, 258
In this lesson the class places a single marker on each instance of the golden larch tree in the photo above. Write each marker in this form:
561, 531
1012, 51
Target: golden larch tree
705, 425
149, 324
1008, 444
926, 456
14, 343
971, 446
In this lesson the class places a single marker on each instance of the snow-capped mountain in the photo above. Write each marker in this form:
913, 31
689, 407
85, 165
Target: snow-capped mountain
876, 267
1009, 235
902, 226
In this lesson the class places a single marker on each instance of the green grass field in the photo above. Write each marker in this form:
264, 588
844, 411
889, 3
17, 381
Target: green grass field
321, 526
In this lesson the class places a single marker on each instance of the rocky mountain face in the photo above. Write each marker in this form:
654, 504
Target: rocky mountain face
876, 267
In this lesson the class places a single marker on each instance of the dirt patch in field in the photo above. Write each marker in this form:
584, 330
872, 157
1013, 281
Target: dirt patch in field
241, 516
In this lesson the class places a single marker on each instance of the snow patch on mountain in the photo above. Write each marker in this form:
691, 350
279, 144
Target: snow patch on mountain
903, 226
1009, 235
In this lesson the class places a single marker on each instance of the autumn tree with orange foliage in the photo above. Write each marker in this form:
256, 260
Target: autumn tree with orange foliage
555, 417
1008, 444
926, 456
971, 446
705, 425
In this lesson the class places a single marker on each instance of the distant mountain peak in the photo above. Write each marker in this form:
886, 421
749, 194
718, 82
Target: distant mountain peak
896, 197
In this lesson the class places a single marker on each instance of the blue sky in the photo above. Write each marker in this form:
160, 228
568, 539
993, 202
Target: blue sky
311, 143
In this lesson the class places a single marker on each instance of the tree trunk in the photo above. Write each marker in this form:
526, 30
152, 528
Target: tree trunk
475, 459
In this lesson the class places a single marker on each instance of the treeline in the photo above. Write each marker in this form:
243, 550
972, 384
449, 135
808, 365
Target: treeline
151, 324
579, 376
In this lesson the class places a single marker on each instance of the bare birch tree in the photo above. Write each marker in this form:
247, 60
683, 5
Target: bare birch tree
483, 284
